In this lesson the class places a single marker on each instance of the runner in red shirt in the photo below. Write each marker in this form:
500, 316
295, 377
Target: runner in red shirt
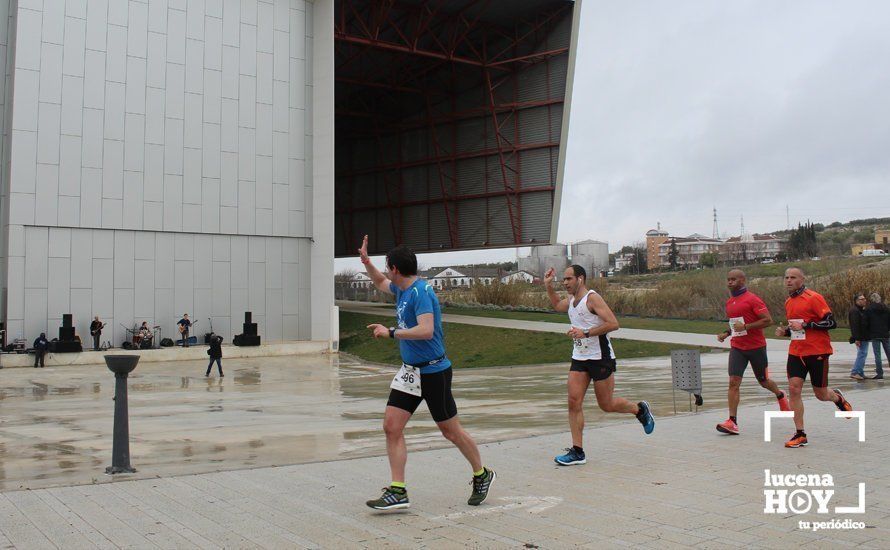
747, 315
809, 320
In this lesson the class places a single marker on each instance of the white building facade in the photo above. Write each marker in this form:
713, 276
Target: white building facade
167, 156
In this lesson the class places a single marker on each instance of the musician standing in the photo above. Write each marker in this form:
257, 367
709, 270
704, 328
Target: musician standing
184, 326
96, 332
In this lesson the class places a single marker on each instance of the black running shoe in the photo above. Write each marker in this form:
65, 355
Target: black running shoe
391, 499
481, 485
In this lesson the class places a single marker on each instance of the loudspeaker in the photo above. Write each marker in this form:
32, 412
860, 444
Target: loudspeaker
66, 331
166, 343
246, 340
249, 337
68, 347
127, 344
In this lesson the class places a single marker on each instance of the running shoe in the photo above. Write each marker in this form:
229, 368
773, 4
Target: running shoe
783, 402
391, 499
571, 457
857, 376
843, 404
728, 427
645, 417
797, 440
481, 485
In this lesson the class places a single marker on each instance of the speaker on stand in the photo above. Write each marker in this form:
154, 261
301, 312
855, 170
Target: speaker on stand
66, 342
249, 337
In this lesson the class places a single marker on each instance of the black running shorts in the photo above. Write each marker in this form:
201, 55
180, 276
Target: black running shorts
435, 389
596, 369
739, 359
814, 365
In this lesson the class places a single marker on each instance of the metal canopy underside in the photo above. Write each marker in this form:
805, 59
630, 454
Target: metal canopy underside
449, 118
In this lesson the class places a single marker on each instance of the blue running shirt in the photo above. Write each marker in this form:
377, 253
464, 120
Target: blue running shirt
416, 300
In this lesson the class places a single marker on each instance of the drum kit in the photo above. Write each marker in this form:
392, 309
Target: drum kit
142, 338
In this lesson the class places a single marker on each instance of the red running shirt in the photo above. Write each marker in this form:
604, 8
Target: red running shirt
749, 306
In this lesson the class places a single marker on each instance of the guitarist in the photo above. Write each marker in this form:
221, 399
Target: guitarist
184, 326
96, 332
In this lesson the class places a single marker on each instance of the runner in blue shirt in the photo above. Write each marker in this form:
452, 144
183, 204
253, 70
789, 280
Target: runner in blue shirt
425, 375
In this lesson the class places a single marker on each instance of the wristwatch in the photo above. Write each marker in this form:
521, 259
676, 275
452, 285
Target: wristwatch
392, 332
587, 333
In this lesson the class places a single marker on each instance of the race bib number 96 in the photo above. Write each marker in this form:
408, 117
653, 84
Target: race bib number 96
407, 380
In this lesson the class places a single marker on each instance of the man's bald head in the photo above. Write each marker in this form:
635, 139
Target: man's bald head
735, 280
794, 279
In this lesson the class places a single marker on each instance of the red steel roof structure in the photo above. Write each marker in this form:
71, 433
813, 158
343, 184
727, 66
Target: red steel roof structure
449, 119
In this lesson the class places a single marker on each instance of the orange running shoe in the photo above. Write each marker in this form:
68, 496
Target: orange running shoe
728, 427
783, 402
843, 404
798, 440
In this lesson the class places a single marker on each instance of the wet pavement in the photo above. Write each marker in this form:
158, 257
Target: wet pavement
56, 423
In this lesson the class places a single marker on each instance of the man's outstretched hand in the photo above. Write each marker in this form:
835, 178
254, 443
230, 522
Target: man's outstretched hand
549, 276
363, 251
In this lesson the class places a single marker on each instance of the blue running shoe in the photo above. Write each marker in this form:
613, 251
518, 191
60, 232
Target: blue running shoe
571, 457
645, 417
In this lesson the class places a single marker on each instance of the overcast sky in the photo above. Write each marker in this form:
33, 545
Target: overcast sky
748, 106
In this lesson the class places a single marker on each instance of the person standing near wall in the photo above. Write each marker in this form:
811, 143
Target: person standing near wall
41, 344
96, 332
184, 326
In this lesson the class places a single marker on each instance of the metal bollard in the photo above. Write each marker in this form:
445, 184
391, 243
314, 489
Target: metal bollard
121, 366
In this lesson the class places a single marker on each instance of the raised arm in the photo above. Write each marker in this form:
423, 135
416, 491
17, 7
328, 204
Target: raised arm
559, 304
379, 279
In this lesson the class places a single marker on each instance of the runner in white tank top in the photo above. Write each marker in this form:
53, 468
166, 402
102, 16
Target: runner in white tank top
584, 349
592, 358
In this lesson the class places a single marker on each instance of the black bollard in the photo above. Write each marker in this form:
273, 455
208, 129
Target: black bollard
121, 366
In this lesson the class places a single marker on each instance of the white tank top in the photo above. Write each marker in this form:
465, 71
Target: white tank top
595, 347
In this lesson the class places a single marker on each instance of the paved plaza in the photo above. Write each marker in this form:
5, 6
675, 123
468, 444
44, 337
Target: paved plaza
683, 486
210, 454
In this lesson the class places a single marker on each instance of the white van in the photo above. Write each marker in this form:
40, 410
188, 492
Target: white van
873, 252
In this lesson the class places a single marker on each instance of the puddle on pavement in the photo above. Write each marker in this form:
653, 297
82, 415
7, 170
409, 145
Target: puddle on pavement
56, 424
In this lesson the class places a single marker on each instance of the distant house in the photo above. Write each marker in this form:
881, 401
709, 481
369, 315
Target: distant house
360, 280
520, 276
689, 249
623, 260
753, 248
459, 276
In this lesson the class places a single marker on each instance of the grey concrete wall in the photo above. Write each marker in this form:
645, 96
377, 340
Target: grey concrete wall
164, 125
135, 276
325, 325
7, 57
